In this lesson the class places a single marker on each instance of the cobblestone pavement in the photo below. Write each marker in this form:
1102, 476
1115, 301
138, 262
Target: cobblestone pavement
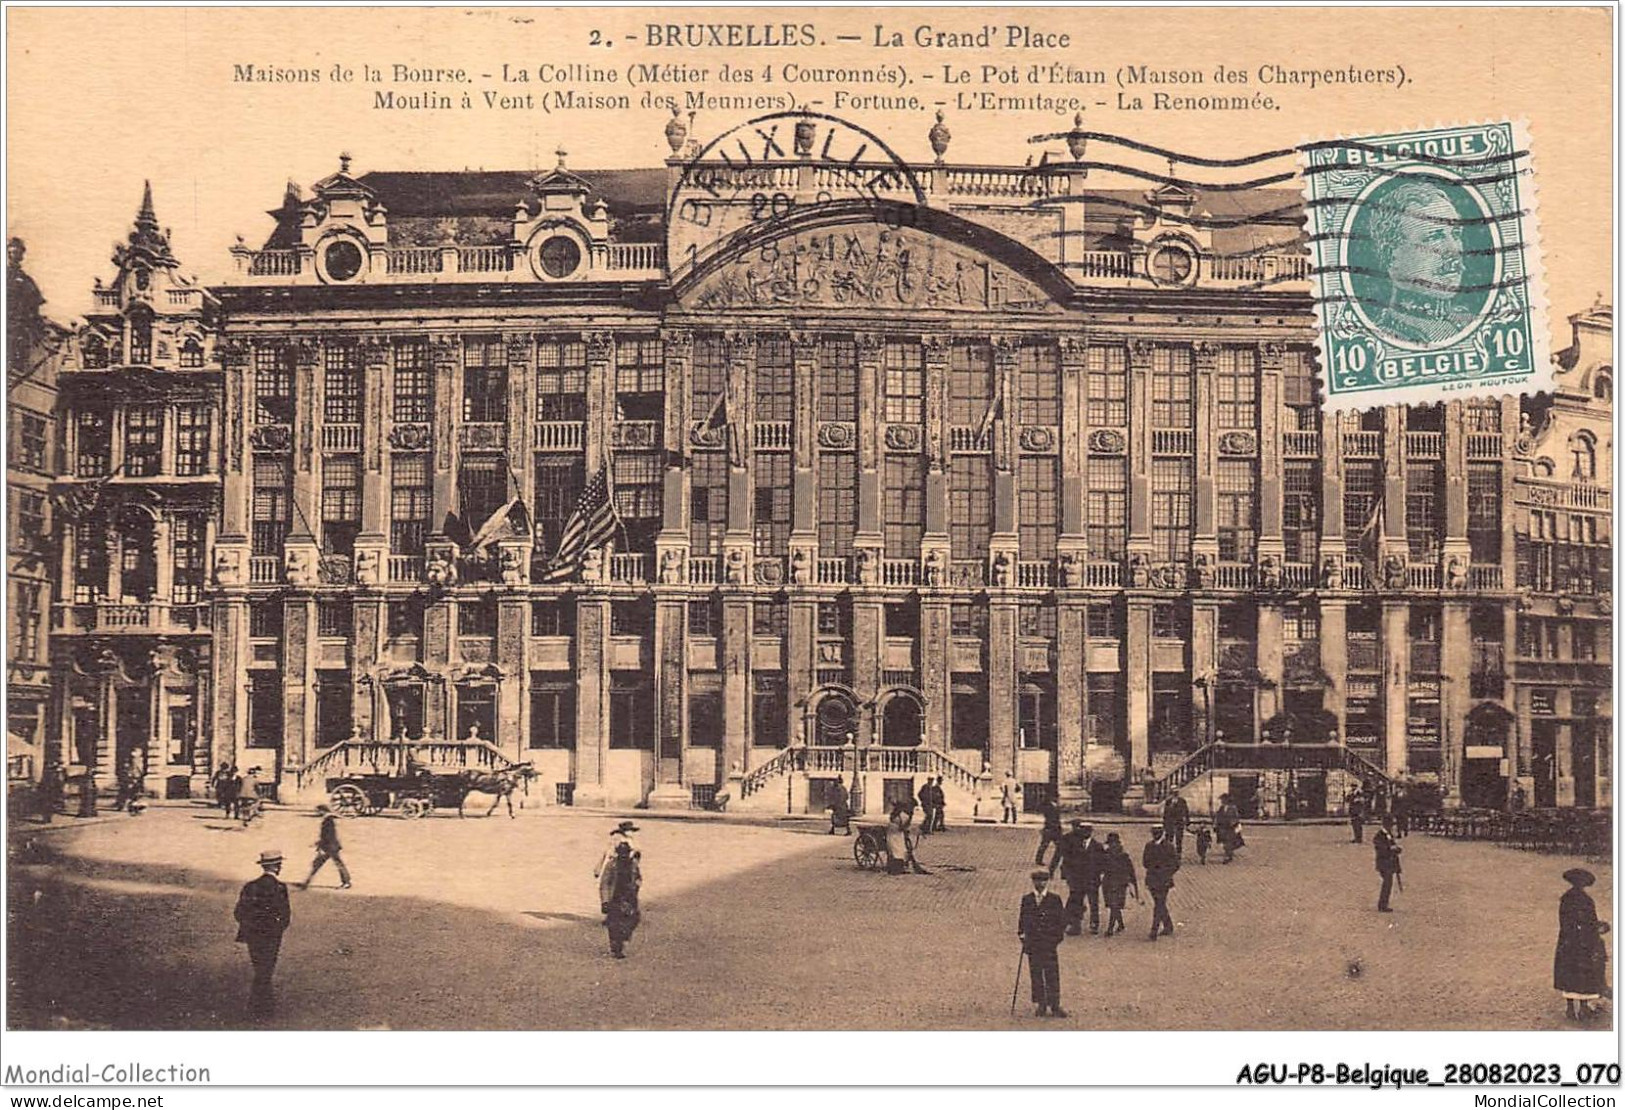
491, 924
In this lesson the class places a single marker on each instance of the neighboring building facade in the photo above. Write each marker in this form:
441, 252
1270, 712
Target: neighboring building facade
137, 500
34, 348
933, 470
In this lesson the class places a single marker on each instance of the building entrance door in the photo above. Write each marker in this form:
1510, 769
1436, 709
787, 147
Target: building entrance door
1244, 792
1482, 784
1585, 764
134, 729
1308, 795
1543, 741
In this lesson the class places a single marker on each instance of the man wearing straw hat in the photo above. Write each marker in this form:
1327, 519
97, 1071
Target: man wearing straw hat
620, 834
262, 917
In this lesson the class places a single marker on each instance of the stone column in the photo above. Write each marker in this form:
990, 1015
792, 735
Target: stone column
734, 648
1070, 696
513, 706
1204, 536
800, 650
871, 406
1139, 448
935, 648
1270, 662
1334, 658
1006, 507
804, 451
1270, 411
1002, 663
671, 700
439, 630
1564, 739
373, 357
234, 504
1204, 662
935, 536
1137, 687
1393, 486
307, 476
592, 700
299, 652
1396, 658
370, 615
678, 346
1074, 359
1455, 669
228, 677
448, 396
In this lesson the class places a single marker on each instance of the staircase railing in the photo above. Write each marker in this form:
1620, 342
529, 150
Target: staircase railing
936, 763
1367, 771
758, 777
1187, 770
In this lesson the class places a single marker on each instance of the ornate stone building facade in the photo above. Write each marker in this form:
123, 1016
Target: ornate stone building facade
34, 347
137, 501
929, 469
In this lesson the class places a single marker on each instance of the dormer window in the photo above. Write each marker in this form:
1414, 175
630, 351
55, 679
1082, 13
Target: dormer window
191, 354
140, 342
1602, 386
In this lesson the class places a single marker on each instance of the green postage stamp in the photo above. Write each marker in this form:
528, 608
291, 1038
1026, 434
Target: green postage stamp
1427, 272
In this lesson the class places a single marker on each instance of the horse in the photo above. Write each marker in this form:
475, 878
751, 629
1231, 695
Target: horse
499, 784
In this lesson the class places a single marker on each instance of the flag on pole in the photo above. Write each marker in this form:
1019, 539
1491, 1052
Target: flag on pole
513, 514
725, 416
1372, 537
995, 409
590, 526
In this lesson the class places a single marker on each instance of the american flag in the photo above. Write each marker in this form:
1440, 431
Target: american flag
590, 526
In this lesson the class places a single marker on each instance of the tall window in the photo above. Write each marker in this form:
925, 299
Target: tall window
341, 503
30, 441
708, 504
1107, 528
838, 380
631, 710
335, 617
1038, 505
413, 401
1108, 386
705, 709
1359, 500
770, 714
1300, 511
1237, 493
970, 383
1481, 416
1171, 488
1583, 454
1484, 511
970, 506
341, 386
1039, 380
1236, 387
1171, 378
905, 383
552, 709
411, 503
192, 431
29, 532
710, 376
561, 379
186, 537
837, 503
273, 503
485, 381
1422, 500
772, 517
1298, 382
640, 378
774, 400
482, 488
558, 488
637, 498
273, 386
89, 561
94, 444
904, 507
334, 708
191, 354
141, 341
143, 440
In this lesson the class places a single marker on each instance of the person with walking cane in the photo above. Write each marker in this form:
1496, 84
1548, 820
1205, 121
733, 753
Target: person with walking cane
1041, 928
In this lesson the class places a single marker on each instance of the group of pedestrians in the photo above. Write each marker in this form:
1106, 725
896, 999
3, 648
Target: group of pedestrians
236, 793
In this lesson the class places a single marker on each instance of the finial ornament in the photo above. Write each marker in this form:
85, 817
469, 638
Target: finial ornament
344, 161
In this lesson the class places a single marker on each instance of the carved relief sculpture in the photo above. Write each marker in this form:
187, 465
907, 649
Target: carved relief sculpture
228, 568
1001, 569
367, 567
1071, 569
298, 568
868, 567
1455, 573
1331, 573
934, 568
671, 567
734, 567
1202, 571
1394, 572
800, 563
1139, 570
1269, 573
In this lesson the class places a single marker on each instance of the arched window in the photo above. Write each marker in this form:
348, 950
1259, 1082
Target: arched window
1602, 384
1583, 450
1544, 467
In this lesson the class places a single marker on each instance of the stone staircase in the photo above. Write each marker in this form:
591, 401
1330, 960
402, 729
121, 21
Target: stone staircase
765, 790
357, 758
1190, 773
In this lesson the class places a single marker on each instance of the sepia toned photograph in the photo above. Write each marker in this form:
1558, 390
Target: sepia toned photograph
811, 519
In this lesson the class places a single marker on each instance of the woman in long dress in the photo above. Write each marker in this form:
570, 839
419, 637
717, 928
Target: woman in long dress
618, 891
1580, 967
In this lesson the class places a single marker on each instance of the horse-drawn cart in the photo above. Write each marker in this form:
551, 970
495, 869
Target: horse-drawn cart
414, 779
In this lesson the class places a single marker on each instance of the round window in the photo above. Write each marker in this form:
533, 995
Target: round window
342, 260
560, 256
1171, 265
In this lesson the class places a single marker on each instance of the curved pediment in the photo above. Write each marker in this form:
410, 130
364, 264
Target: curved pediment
872, 255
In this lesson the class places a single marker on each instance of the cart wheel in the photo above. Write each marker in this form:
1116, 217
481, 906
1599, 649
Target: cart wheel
866, 853
348, 800
413, 808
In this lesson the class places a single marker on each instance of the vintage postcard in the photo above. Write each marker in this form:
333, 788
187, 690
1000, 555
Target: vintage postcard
810, 520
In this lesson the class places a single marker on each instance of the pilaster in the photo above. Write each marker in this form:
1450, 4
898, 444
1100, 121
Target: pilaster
1396, 656
1074, 359
1455, 667
1002, 661
1070, 653
592, 700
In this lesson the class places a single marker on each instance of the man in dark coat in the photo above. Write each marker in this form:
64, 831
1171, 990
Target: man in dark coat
1176, 817
1387, 850
262, 917
928, 808
328, 848
941, 799
1160, 863
1356, 808
1083, 864
1041, 928
840, 810
1050, 835
1401, 809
